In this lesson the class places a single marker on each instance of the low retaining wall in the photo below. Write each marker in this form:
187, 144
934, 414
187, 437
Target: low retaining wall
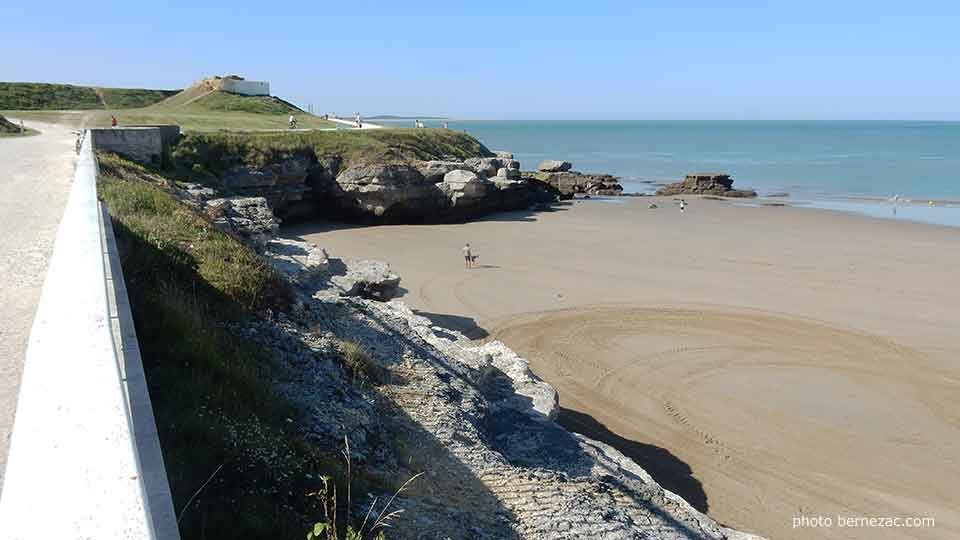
84, 457
143, 144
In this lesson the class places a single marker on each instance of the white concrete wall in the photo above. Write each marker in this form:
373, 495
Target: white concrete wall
75, 466
247, 88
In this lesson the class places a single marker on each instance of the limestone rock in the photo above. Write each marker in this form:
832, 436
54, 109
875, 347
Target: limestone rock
705, 184
504, 155
511, 174
569, 183
281, 183
372, 280
386, 190
246, 217
554, 165
433, 171
464, 188
299, 261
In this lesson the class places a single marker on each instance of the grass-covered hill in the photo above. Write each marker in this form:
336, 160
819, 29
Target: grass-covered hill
28, 96
200, 107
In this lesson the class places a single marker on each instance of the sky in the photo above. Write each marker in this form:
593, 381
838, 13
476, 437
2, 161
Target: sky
516, 60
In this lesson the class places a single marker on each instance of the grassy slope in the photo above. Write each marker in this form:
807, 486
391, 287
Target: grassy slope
46, 96
131, 98
194, 109
210, 389
213, 153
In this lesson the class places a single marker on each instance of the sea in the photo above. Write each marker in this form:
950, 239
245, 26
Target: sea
894, 169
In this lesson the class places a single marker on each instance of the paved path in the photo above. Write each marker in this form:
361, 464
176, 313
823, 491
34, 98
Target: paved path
35, 177
353, 124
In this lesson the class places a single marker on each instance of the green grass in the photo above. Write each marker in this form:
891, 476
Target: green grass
194, 109
211, 390
188, 120
29, 96
362, 368
212, 154
47, 96
133, 98
220, 101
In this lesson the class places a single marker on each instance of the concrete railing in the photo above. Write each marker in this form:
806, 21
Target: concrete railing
84, 458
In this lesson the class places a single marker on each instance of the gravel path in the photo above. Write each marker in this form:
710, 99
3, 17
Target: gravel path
35, 177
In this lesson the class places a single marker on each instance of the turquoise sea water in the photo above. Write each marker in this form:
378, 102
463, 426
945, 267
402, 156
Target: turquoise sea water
810, 160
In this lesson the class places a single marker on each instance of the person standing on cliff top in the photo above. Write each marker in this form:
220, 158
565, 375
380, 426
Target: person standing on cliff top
467, 256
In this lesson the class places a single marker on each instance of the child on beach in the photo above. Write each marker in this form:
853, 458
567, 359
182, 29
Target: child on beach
467, 256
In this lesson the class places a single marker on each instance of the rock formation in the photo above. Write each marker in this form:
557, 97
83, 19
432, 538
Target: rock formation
248, 218
570, 183
434, 191
554, 165
705, 184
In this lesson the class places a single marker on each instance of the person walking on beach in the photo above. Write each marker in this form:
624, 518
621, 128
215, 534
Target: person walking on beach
113, 121
467, 256
683, 205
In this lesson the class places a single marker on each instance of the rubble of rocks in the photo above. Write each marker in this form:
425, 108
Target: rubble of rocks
705, 184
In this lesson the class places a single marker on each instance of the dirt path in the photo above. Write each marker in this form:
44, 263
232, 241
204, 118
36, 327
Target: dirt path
35, 177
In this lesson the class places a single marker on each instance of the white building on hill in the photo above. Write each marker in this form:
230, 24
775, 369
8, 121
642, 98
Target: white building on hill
239, 85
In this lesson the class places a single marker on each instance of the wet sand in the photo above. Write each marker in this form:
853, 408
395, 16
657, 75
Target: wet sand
763, 362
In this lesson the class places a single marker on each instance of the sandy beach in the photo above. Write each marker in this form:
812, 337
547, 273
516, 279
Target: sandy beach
763, 362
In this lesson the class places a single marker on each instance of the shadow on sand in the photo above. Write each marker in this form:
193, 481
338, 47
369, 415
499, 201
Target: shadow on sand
668, 470
465, 325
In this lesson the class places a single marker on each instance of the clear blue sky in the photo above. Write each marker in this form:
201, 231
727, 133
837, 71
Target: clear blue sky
491, 59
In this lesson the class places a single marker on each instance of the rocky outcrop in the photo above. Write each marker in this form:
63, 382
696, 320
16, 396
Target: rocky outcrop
372, 280
705, 184
394, 191
464, 189
418, 193
554, 165
434, 171
489, 166
475, 418
567, 184
248, 218
282, 184
300, 261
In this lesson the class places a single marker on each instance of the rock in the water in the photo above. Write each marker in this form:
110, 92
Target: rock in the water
705, 184
372, 280
554, 165
504, 155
